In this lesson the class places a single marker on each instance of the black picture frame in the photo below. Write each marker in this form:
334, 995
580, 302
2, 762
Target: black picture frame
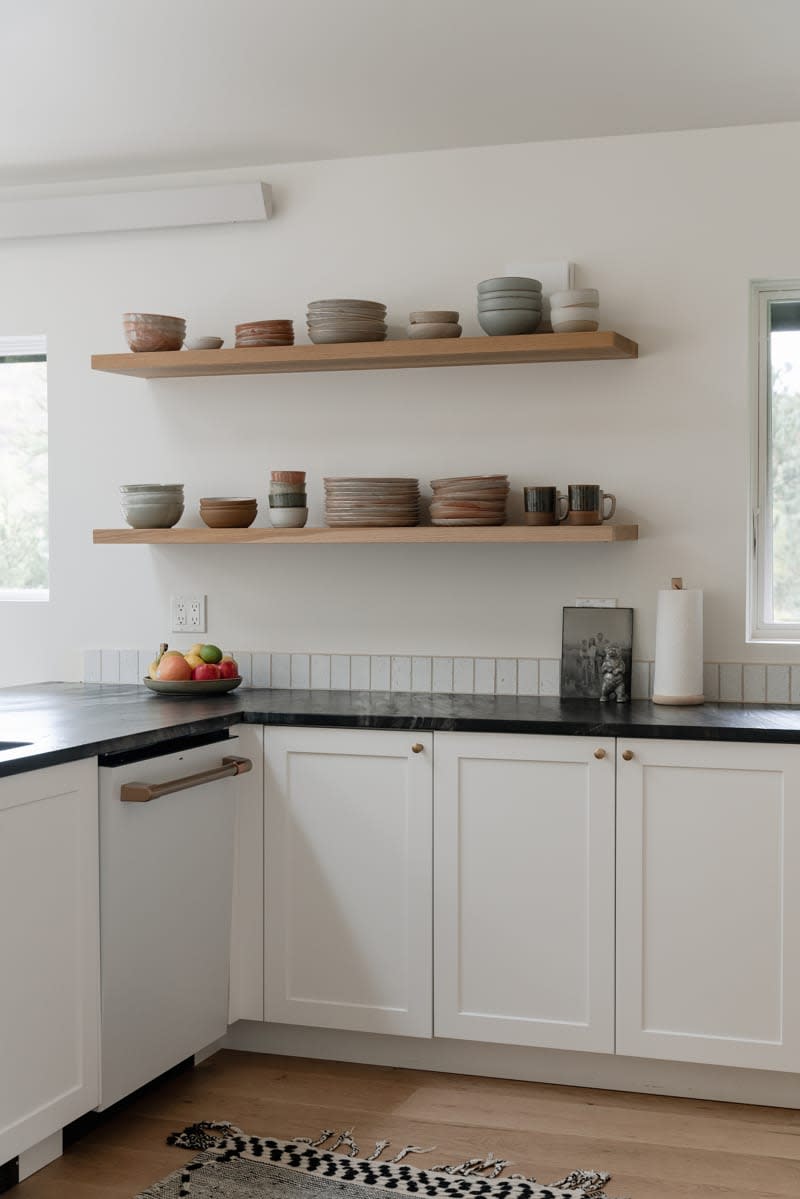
596, 654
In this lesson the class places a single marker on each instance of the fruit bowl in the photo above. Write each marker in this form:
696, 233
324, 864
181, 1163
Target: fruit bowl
196, 688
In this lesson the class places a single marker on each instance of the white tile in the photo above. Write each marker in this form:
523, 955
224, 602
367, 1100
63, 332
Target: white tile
129, 666
640, 680
109, 665
730, 682
320, 672
421, 674
91, 666
340, 672
484, 676
795, 685
506, 677
244, 660
777, 684
261, 670
301, 672
754, 682
401, 673
528, 676
379, 672
359, 672
549, 676
711, 681
442, 675
281, 672
463, 676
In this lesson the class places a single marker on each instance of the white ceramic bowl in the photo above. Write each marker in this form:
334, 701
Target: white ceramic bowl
559, 315
288, 518
204, 343
509, 321
575, 297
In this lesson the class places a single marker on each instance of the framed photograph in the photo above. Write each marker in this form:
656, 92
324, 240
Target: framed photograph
596, 653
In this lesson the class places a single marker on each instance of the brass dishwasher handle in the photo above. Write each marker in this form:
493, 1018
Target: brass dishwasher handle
144, 792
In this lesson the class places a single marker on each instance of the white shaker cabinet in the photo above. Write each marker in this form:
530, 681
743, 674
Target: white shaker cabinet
49, 952
524, 889
708, 900
348, 826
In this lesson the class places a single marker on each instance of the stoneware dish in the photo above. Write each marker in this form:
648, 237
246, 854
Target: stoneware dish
504, 282
501, 305
433, 317
422, 331
195, 688
288, 476
149, 332
204, 343
152, 514
576, 296
510, 321
222, 513
288, 518
288, 499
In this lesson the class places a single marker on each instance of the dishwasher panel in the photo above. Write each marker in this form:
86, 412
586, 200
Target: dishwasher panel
166, 880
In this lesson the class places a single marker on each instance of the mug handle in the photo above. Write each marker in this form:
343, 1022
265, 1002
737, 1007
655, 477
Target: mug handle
608, 496
562, 499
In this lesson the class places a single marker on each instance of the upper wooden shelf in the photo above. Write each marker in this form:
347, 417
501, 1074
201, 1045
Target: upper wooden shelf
375, 355
417, 535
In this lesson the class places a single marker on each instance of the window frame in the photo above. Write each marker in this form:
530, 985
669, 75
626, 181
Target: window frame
30, 347
759, 530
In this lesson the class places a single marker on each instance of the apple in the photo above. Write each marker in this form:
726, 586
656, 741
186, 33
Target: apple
202, 674
228, 669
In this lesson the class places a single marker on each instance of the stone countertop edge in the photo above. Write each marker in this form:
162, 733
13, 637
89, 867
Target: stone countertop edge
64, 722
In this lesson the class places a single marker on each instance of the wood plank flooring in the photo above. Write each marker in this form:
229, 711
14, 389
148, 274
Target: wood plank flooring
655, 1147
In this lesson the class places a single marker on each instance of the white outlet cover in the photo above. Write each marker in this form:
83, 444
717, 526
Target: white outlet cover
188, 613
584, 601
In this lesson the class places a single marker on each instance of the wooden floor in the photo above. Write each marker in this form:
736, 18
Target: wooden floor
656, 1148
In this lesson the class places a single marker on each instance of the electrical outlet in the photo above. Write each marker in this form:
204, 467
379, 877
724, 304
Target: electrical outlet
587, 602
188, 613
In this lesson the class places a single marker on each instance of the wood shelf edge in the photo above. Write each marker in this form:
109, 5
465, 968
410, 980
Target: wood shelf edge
416, 535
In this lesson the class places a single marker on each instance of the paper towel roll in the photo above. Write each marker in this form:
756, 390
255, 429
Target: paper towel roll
679, 648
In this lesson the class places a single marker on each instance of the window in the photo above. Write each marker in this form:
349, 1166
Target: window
23, 469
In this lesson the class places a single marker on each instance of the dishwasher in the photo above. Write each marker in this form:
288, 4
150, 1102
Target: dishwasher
167, 826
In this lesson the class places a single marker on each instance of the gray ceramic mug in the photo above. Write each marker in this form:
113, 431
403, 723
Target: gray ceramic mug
587, 504
544, 505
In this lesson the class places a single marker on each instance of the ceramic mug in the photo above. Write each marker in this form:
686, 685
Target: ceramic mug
544, 505
587, 504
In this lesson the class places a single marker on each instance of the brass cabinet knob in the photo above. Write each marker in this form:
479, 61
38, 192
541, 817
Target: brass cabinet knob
417, 748
599, 753
627, 755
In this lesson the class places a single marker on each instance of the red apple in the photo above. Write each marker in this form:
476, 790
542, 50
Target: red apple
201, 674
228, 669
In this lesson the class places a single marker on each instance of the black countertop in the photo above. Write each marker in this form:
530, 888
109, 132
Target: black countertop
66, 721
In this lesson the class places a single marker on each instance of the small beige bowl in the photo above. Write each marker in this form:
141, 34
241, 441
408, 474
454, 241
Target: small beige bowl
433, 317
421, 332
288, 518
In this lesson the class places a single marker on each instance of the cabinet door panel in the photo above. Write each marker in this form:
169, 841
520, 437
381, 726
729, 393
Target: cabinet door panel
709, 840
49, 950
348, 829
524, 890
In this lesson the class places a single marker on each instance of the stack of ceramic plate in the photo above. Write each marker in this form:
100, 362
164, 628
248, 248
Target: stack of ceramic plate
346, 320
471, 500
265, 333
371, 503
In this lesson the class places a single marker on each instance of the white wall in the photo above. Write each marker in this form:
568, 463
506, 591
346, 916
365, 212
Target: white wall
670, 227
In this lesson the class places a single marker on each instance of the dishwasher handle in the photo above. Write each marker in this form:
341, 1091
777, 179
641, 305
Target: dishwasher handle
144, 792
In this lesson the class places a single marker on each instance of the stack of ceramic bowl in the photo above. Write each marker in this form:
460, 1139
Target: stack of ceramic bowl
438, 323
219, 512
265, 333
147, 332
575, 311
204, 343
471, 500
509, 304
152, 505
371, 503
346, 320
288, 504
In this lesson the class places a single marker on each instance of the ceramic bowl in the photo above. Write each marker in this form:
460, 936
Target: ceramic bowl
575, 297
433, 317
493, 305
572, 325
288, 518
143, 340
509, 321
228, 516
276, 487
504, 282
420, 332
204, 343
153, 318
157, 515
331, 337
287, 499
288, 476
150, 488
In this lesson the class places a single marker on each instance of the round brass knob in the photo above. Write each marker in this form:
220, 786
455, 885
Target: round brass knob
599, 753
417, 748
627, 755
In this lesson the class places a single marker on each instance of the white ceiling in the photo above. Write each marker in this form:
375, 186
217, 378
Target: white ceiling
93, 88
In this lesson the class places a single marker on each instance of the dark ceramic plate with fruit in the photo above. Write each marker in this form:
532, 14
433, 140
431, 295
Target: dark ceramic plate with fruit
196, 688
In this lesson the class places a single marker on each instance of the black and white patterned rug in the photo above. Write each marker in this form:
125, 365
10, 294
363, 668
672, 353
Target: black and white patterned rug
232, 1165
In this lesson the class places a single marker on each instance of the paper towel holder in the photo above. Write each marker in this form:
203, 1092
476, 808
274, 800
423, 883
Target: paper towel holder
676, 584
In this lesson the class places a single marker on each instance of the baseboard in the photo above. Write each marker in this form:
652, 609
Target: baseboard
603, 1071
40, 1155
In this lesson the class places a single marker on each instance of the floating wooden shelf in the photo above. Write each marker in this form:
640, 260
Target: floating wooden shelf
372, 356
418, 535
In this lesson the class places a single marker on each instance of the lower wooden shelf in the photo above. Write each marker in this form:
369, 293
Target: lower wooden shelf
418, 535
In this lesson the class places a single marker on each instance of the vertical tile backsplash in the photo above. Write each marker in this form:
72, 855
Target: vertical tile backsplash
725, 682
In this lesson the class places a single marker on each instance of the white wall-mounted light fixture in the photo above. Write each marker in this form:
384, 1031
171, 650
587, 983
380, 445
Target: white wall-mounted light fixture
111, 212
